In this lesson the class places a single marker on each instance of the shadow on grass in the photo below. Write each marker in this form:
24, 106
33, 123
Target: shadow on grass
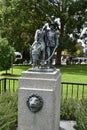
9, 75
17, 70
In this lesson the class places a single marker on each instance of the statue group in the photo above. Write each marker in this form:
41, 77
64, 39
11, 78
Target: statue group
44, 46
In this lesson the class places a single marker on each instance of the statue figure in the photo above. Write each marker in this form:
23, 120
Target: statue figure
37, 50
39, 37
35, 53
44, 46
51, 43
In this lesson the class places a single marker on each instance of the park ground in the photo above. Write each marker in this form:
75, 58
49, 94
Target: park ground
69, 73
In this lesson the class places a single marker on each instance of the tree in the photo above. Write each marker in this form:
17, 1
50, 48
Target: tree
6, 52
19, 22
21, 18
72, 15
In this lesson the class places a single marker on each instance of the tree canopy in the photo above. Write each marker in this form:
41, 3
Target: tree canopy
20, 18
6, 51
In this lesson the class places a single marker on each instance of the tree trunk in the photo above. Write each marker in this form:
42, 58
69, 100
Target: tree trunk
6, 71
58, 58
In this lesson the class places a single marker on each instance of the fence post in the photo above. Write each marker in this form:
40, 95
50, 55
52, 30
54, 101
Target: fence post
4, 84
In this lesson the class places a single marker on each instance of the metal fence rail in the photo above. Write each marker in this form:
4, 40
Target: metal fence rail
73, 90
68, 90
8, 85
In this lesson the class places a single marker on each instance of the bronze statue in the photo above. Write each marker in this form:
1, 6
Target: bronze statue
51, 43
35, 103
37, 50
44, 46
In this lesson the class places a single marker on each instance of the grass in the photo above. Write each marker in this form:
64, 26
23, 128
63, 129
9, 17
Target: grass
74, 91
17, 70
70, 73
74, 73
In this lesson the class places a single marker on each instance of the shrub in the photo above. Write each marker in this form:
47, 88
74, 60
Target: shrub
8, 111
6, 54
72, 109
81, 116
68, 108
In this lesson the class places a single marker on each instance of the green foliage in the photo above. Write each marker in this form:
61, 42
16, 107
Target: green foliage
81, 115
6, 51
21, 18
19, 21
73, 109
68, 108
8, 111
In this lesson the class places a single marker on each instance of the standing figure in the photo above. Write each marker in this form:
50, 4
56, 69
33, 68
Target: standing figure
44, 46
37, 50
51, 43
35, 53
39, 37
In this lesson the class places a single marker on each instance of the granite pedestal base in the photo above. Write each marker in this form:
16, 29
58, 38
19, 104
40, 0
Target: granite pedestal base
47, 85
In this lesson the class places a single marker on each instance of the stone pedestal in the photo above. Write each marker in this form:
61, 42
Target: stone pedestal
46, 85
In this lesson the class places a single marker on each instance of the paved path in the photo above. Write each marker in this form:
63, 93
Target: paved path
67, 125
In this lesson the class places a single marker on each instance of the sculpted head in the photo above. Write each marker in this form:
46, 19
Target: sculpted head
35, 103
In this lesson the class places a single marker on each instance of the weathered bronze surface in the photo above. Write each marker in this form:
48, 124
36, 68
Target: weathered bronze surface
44, 46
35, 103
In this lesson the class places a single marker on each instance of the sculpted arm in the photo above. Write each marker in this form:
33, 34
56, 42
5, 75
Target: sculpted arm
36, 35
56, 40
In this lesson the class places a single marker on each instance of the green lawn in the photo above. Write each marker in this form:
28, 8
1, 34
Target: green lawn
17, 70
74, 73
70, 73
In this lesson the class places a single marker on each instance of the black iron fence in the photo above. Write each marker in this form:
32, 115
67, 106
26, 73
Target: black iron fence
68, 90
8, 85
73, 90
